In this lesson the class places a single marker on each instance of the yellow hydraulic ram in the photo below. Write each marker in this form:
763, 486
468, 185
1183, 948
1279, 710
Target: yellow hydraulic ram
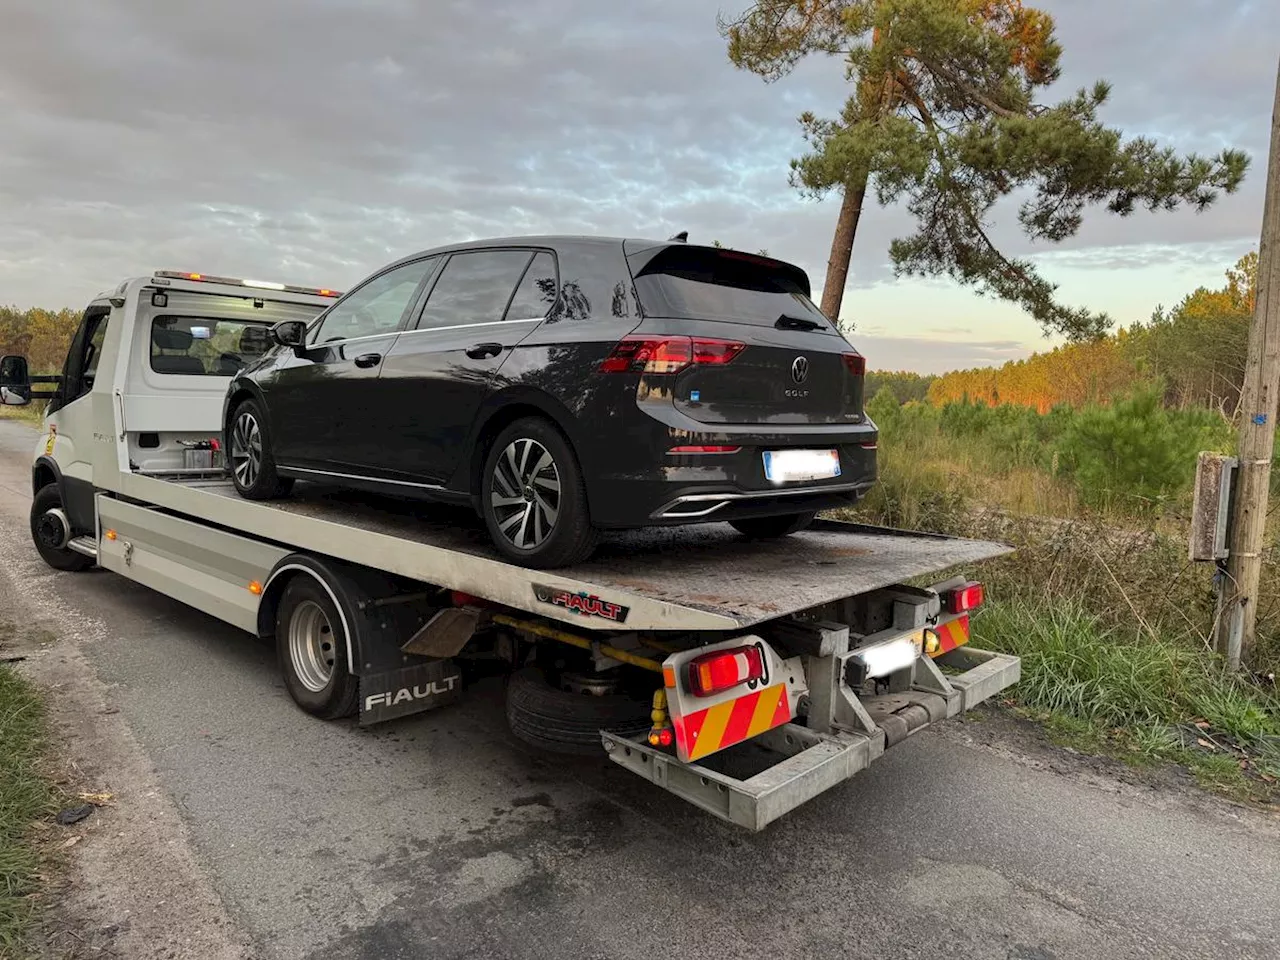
551, 633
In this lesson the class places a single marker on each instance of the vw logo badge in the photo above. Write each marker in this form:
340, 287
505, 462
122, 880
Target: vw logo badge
799, 369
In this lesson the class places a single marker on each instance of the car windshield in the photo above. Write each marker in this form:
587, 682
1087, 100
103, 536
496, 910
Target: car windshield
205, 347
702, 284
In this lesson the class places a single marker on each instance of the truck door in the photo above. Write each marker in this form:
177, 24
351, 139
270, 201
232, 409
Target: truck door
70, 417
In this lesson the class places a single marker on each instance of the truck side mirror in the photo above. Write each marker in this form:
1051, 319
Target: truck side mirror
290, 333
15, 381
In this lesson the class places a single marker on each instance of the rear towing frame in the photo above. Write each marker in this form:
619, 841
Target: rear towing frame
844, 731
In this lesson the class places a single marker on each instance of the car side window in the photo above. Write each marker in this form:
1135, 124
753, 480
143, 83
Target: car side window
475, 287
537, 291
376, 307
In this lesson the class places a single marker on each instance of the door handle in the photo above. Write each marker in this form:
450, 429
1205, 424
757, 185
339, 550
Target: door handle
366, 360
481, 351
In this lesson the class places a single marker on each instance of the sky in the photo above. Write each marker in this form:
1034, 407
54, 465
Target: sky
311, 141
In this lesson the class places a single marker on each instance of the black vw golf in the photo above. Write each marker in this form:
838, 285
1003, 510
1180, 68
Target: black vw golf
564, 385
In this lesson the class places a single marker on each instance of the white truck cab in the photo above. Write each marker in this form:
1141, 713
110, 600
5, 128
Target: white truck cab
142, 389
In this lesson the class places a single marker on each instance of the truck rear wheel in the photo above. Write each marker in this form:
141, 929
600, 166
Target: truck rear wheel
311, 643
51, 531
566, 722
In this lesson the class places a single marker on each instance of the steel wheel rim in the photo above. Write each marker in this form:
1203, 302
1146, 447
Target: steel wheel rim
312, 646
246, 449
525, 493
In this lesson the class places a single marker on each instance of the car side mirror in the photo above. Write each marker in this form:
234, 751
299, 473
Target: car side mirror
15, 381
290, 333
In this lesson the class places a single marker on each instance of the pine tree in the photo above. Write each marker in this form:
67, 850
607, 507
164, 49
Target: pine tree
943, 116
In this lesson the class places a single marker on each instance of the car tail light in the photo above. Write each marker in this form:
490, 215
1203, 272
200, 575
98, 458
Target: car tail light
705, 449
962, 599
667, 354
856, 363
713, 672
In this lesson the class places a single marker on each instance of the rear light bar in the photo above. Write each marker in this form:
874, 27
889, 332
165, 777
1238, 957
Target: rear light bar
254, 284
680, 451
856, 363
713, 672
963, 599
668, 354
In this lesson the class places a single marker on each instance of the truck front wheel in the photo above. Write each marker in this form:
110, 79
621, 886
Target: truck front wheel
51, 532
311, 643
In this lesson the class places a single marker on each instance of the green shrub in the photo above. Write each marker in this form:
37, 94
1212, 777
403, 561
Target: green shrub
1134, 453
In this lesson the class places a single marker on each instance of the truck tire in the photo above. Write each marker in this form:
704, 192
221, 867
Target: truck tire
249, 456
770, 528
533, 497
311, 643
49, 530
562, 722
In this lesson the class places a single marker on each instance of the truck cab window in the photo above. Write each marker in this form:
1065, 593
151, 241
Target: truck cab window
83, 356
93, 353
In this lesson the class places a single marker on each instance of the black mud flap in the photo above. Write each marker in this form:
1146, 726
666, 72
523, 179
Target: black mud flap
408, 690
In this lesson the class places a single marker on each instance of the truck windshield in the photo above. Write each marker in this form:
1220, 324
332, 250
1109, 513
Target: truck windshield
204, 347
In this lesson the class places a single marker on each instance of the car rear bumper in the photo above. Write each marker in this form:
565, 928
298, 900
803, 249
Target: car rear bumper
721, 487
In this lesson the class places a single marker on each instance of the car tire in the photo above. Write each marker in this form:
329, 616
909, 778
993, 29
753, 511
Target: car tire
249, 458
562, 722
46, 533
533, 497
311, 644
770, 528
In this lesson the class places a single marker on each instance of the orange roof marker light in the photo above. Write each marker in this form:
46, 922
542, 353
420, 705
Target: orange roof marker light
163, 277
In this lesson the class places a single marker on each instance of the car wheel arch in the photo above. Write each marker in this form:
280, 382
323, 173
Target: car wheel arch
240, 392
506, 412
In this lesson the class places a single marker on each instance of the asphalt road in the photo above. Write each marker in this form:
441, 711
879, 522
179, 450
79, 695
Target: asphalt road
440, 836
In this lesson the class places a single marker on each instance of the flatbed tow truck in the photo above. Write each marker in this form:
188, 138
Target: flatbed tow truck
767, 672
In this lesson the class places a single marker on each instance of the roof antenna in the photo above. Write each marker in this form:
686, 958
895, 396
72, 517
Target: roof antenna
681, 237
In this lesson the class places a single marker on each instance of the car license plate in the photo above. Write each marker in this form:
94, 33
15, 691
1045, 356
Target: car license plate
782, 466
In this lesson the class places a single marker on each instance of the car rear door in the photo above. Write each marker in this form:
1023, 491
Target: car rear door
483, 302
325, 407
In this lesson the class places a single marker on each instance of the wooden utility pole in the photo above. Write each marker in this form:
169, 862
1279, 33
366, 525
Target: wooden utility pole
1236, 628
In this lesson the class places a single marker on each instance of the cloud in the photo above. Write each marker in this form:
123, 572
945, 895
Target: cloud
928, 355
313, 140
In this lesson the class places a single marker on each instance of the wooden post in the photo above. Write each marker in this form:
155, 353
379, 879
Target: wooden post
1236, 629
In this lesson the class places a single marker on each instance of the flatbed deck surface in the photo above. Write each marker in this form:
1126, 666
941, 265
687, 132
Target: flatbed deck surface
704, 567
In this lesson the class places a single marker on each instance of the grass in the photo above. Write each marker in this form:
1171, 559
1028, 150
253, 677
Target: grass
1113, 690
32, 413
1110, 618
26, 796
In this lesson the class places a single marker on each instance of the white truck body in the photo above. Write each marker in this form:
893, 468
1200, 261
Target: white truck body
856, 655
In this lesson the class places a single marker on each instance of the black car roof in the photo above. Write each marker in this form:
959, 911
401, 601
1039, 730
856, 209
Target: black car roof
630, 247
543, 240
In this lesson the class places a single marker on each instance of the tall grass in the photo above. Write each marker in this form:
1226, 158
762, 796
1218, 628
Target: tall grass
25, 796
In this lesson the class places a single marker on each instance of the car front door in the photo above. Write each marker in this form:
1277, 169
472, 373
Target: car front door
481, 305
323, 404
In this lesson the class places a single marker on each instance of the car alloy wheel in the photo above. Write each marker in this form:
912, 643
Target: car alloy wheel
246, 449
526, 493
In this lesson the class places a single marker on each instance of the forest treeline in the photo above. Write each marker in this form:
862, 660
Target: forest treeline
1193, 354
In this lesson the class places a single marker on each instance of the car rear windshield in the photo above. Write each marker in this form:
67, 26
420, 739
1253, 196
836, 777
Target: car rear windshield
701, 284
203, 347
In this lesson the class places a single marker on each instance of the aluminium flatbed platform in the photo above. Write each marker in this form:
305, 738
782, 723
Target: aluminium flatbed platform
704, 577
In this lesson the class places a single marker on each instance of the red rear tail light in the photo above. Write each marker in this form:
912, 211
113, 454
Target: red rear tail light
706, 350
856, 363
963, 599
667, 354
703, 449
713, 672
